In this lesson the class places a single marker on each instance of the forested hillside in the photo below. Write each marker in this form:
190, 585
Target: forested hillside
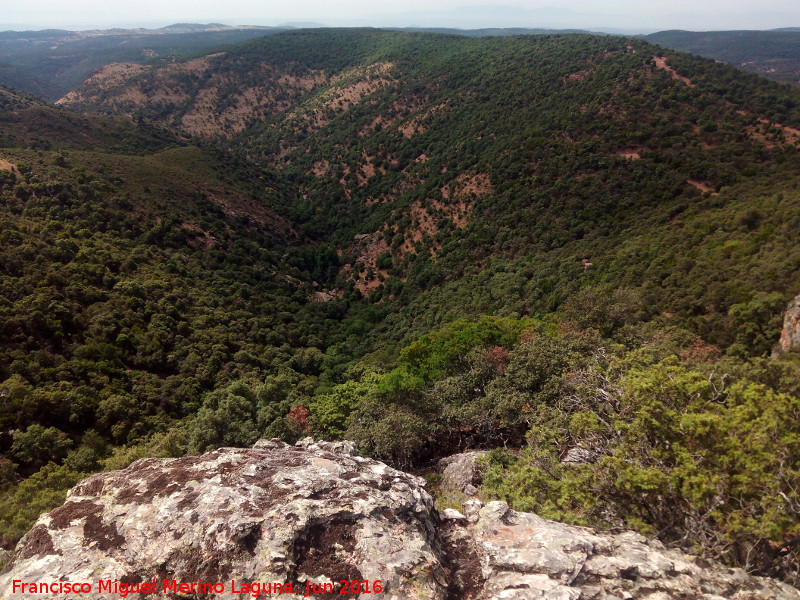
419, 159
774, 54
49, 63
424, 243
131, 284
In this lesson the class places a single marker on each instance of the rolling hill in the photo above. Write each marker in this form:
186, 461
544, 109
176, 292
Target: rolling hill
416, 155
423, 243
49, 63
774, 54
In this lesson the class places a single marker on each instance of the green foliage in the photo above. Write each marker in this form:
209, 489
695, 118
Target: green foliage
618, 203
592, 308
391, 432
37, 445
241, 413
21, 505
127, 294
167, 444
440, 352
483, 396
503, 242
330, 412
756, 322
670, 447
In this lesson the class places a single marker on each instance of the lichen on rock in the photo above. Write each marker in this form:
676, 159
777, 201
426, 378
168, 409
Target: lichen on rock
266, 514
317, 512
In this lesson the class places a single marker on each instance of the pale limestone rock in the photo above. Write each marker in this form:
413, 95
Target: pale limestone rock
461, 472
472, 508
579, 455
790, 334
315, 511
523, 556
266, 515
453, 514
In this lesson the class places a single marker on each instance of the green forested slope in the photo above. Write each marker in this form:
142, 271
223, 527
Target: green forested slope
49, 63
29, 123
419, 158
130, 285
423, 243
774, 54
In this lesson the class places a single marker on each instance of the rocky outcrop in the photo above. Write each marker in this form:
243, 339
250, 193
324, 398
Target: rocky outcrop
267, 514
522, 556
278, 514
790, 334
461, 472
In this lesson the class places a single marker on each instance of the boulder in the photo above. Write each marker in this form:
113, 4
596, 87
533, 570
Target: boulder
461, 472
579, 455
276, 514
510, 555
790, 334
315, 514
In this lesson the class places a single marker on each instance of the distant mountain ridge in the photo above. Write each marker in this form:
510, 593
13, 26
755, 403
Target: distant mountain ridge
774, 54
50, 63
488, 31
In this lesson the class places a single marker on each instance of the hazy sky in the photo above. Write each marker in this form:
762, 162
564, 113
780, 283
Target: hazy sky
644, 15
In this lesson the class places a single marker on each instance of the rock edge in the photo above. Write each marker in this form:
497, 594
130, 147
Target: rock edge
317, 512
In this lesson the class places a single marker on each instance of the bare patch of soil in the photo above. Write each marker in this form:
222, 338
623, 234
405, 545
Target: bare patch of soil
240, 206
107, 76
773, 134
661, 63
415, 125
367, 248
205, 102
8, 166
702, 186
201, 238
347, 89
326, 295
408, 182
320, 168
212, 114
343, 180
308, 82
411, 129
458, 198
199, 119
368, 170
630, 153
468, 185
577, 75
379, 121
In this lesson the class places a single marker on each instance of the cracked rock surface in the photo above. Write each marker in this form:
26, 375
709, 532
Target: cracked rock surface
790, 333
461, 472
522, 556
317, 512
